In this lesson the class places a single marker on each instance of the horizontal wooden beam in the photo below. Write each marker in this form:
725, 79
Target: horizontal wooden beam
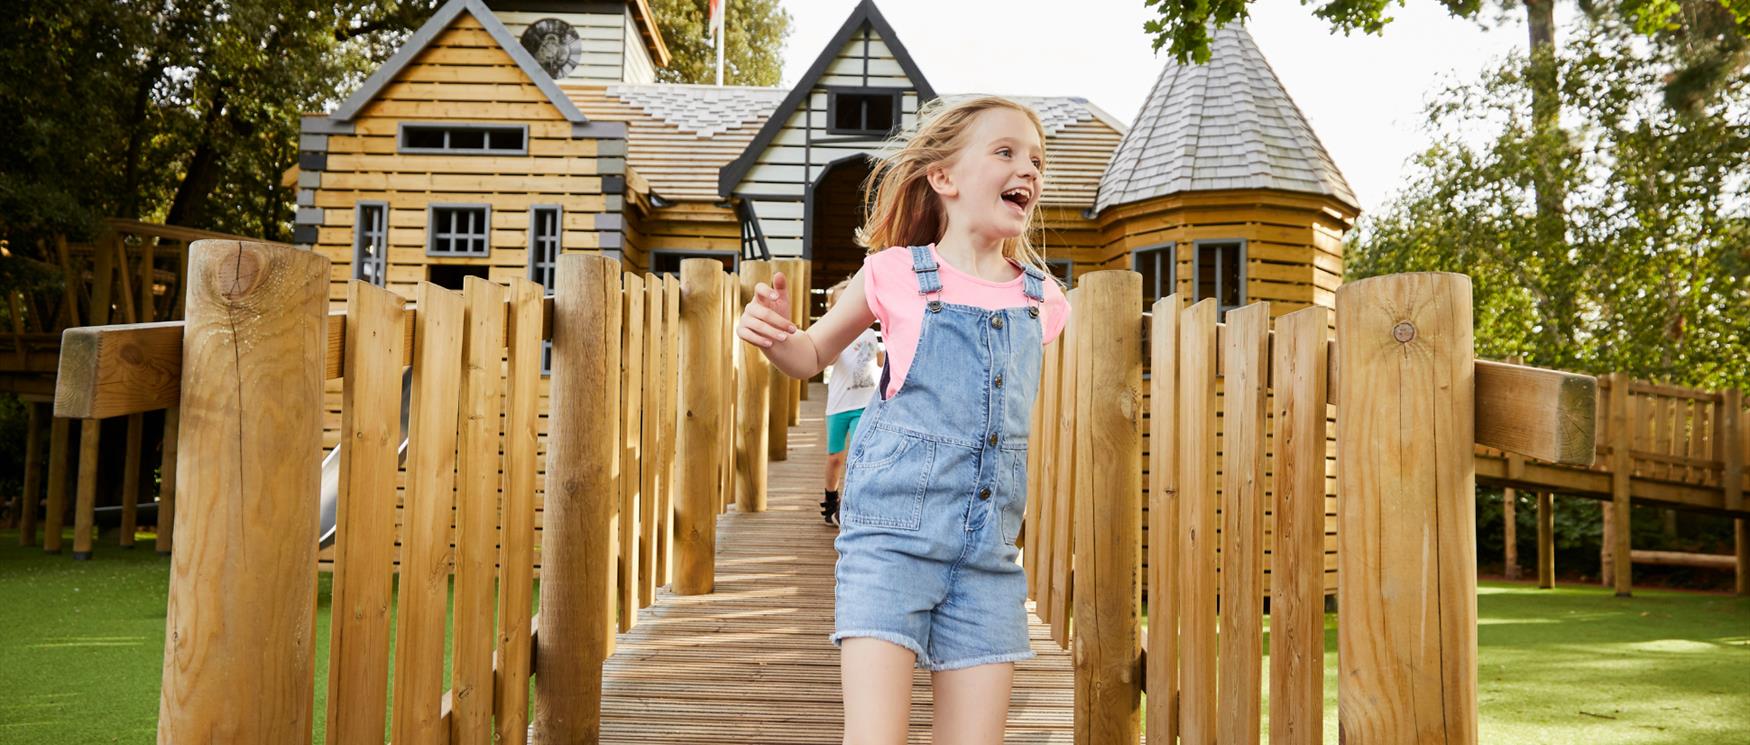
1722, 562
1549, 415
108, 371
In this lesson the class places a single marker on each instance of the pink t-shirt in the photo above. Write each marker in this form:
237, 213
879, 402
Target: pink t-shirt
892, 288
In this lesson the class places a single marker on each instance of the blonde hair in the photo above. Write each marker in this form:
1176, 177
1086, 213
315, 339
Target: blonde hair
903, 210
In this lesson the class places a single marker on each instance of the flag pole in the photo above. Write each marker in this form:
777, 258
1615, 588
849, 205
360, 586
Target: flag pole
722, 9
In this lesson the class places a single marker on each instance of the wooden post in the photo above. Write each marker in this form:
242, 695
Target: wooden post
1621, 468
167, 481
522, 431
729, 350
1406, 575
1245, 375
577, 550
28, 503
1546, 540
655, 475
426, 530
1063, 506
1162, 672
238, 657
778, 431
753, 412
85, 507
1197, 537
795, 270
1510, 530
131, 481
1606, 546
364, 521
671, 362
631, 423
55, 513
1297, 565
1108, 681
701, 405
1731, 443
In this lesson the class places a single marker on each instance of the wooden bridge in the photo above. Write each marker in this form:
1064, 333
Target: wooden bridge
685, 578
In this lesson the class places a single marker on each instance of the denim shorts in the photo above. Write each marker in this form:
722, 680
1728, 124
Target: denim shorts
924, 562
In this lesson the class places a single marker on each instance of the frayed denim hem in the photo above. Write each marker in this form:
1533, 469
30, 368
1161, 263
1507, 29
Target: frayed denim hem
923, 659
985, 660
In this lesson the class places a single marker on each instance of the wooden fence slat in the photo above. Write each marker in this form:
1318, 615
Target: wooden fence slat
651, 459
1623, 422
1197, 537
1063, 507
364, 545
477, 507
1406, 577
167, 481
671, 356
522, 422
1245, 375
423, 606
577, 583
616, 329
243, 580
1163, 517
630, 439
753, 404
29, 503
1297, 619
697, 460
733, 358
1040, 479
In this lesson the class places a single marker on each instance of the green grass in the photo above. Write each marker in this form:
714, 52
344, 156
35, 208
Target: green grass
83, 649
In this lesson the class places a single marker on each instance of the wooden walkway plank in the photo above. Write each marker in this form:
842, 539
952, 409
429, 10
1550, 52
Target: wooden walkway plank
750, 662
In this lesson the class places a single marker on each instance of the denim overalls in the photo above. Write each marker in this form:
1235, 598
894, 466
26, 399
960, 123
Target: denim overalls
935, 487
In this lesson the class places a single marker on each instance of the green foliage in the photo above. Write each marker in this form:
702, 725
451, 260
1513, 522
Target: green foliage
1653, 277
754, 34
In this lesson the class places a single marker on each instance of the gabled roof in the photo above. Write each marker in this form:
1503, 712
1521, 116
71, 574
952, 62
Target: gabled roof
864, 13
434, 26
1227, 124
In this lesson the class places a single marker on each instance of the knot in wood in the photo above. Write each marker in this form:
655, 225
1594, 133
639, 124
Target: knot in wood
1404, 331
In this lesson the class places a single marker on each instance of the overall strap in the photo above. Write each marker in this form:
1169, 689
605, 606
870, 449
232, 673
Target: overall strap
1034, 287
929, 283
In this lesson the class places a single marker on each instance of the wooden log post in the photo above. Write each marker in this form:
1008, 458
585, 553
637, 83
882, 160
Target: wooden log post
1509, 528
1730, 439
29, 503
1197, 537
55, 511
796, 271
1108, 610
1546, 540
1297, 565
1162, 671
1245, 375
1621, 469
167, 482
85, 506
364, 545
753, 412
1406, 574
131, 481
239, 657
778, 429
577, 548
702, 389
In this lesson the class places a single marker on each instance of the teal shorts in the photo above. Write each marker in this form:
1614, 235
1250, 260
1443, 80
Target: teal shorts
839, 428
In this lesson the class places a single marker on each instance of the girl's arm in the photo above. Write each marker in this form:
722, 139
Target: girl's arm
803, 354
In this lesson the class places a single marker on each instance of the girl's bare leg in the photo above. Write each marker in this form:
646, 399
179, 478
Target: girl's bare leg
971, 704
876, 677
835, 463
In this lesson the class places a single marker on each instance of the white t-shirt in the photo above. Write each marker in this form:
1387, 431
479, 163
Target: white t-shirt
850, 380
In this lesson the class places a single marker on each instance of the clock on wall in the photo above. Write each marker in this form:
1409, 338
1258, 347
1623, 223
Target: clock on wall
555, 46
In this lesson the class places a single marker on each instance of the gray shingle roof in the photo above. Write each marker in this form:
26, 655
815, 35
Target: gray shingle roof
1227, 124
1055, 112
703, 110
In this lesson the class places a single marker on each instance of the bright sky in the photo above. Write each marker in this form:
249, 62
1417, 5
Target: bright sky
1362, 94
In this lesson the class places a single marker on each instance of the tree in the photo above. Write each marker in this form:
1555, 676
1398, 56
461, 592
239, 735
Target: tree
1654, 278
754, 36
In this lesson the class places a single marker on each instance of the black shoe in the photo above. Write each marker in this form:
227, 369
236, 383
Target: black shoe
829, 509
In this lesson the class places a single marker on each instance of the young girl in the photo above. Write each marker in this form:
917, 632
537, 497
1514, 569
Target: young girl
935, 484
850, 383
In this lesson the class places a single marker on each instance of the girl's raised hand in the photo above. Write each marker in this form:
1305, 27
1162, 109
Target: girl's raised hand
766, 320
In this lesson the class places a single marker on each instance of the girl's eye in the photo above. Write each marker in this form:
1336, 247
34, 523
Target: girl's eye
1003, 151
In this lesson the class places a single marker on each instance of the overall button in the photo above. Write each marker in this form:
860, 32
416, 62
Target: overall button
984, 493
999, 380
996, 322
993, 438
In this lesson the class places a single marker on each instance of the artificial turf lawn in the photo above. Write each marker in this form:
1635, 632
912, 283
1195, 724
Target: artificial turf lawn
83, 645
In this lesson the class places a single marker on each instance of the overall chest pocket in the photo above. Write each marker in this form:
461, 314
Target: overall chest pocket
886, 478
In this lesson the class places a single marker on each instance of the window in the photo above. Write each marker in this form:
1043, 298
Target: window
452, 276
1155, 264
864, 111
458, 230
465, 139
669, 262
1221, 272
370, 242
544, 245
1063, 270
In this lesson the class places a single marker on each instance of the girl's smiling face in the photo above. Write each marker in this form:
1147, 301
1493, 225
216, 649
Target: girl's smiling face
992, 185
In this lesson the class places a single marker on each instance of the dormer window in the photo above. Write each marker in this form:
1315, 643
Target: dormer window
862, 111
465, 139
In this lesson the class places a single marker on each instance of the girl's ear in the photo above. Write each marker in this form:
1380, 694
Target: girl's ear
940, 181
